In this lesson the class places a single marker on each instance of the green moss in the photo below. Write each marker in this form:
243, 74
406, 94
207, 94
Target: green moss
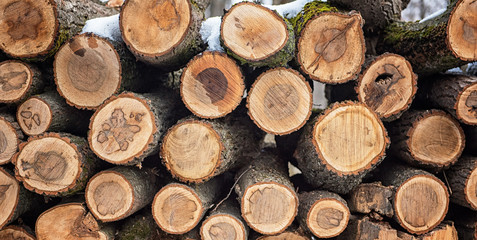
63, 35
140, 229
310, 10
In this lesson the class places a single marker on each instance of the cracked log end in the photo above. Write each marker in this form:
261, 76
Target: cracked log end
15, 80
15, 233
34, 116
462, 30
8, 141
223, 226
9, 197
466, 105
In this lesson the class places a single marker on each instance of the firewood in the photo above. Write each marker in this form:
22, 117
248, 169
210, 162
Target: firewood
325, 214
285, 236
461, 36
15, 233
212, 85
142, 226
465, 221
445, 231
430, 139
363, 228
368, 198
267, 197
257, 36
225, 222
55, 164
463, 182
10, 137
18, 81
280, 101
338, 147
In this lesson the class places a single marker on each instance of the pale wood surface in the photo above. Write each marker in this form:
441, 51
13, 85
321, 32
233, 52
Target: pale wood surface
15, 80
462, 30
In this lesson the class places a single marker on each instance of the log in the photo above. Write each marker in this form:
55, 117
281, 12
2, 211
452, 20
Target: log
15, 233
71, 221
444, 231
142, 226
428, 138
178, 208
338, 147
280, 101
370, 198
285, 236
324, 214
212, 85
163, 33
363, 228
461, 30
117, 193
225, 222
10, 137
18, 81
462, 179
267, 197
257, 36
387, 86
49, 112
465, 221
128, 127
55, 164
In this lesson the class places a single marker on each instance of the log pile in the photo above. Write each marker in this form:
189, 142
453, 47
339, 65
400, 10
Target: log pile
154, 136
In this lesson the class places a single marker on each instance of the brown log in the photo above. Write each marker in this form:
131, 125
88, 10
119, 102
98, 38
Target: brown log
461, 35
370, 198
225, 222
465, 221
18, 81
10, 137
444, 231
340, 146
430, 139
462, 178
280, 101
285, 236
268, 200
15, 233
366, 229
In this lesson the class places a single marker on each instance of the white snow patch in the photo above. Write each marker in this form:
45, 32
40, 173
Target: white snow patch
291, 9
107, 27
434, 14
455, 70
103, 1
210, 32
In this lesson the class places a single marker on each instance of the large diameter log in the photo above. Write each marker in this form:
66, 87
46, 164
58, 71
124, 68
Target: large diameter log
268, 200
49, 112
369, 198
461, 30
117, 193
325, 214
15, 233
10, 137
462, 179
163, 33
387, 86
178, 208
244, 22
55, 164
225, 222
427, 138
18, 81
128, 127
212, 85
70, 221
338, 147
365, 229
280, 101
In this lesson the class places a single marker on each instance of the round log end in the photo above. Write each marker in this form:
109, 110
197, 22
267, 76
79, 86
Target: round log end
470, 189
15, 233
87, 71
466, 105
177, 209
269, 208
8, 141
34, 116
9, 197
212, 85
191, 150
462, 30
285, 236
253, 32
331, 47
28, 28
121, 129
223, 226
421, 203
327, 218
280, 101
15, 80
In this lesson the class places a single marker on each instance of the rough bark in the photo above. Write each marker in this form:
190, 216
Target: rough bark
363, 228
444, 231
225, 222
465, 221
10, 137
372, 199
462, 178
19, 80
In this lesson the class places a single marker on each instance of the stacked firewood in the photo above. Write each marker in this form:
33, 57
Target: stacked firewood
154, 136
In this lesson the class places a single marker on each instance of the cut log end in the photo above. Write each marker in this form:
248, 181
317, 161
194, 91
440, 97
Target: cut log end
421, 203
388, 85
109, 196
253, 32
212, 85
9, 197
285, 236
34, 116
87, 71
121, 129
28, 28
191, 151
223, 226
15, 80
331, 47
466, 105
462, 30
177, 209
269, 208
328, 218
15, 233
471, 189
280, 101
8, 141
445, 231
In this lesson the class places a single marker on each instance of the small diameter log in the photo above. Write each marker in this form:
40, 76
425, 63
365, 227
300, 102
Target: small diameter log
116, 193
325, 214
280, 101
256, 35
15, 233
421, 200
366, 229
338, 147
444, 231
387, 86
10, 137
163, 33
128, 127
18, 81
268, 200
462, 179
55, 164
369, 198
225, 222
195, 150
462, 30
212, 85
49, 112
70, 221
178, 208
430, 139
